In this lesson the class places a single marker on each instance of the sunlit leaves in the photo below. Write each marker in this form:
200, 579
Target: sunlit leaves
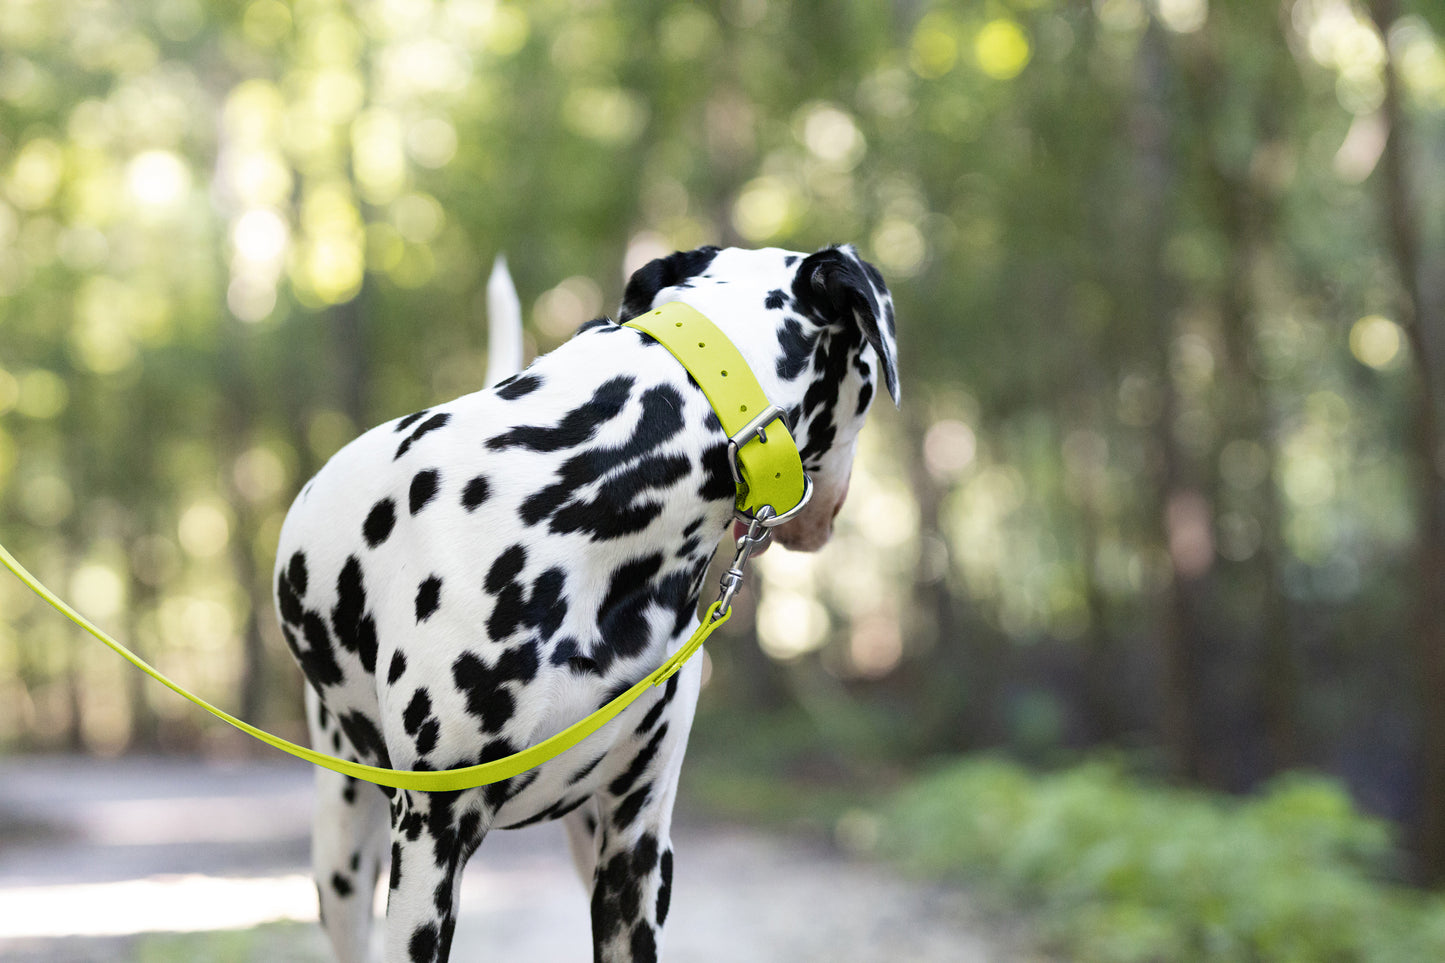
331, 261
157, 179
609, 115
1001, 48
1376, 341
766, 207
34, 174
935, 46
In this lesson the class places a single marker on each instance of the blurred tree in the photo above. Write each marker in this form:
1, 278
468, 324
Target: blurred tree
1165, 477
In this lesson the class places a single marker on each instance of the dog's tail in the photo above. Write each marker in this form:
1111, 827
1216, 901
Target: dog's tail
504, 324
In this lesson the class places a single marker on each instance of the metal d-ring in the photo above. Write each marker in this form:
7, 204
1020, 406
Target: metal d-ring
773, 519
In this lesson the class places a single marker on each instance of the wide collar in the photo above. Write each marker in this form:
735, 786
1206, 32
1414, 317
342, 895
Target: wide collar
763, 458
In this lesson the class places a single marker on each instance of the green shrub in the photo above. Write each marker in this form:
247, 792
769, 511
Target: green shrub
1119, 870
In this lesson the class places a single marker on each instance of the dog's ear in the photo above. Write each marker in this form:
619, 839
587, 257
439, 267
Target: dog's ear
665, 272
838, 287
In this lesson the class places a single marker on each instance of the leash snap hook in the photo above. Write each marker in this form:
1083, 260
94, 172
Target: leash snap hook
732, 580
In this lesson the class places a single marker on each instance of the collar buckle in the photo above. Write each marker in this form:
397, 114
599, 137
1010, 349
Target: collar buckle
757, 428
767, 515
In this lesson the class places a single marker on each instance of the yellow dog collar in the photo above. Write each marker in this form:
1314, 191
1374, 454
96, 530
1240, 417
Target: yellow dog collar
764, 459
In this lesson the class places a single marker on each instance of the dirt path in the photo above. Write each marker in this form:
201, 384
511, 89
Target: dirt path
97, 858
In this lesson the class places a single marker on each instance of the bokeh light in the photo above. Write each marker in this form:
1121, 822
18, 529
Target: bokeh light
1375, 341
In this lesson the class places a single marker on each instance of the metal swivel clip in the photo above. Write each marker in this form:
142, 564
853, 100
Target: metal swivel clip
758, 532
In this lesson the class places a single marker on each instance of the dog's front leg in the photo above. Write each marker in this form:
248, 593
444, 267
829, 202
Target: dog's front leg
430, 846
632, 883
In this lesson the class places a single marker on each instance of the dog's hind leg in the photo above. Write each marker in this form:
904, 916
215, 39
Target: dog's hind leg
581, 826
348, 846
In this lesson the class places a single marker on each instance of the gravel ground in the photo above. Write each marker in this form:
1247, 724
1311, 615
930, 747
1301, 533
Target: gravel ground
159, 860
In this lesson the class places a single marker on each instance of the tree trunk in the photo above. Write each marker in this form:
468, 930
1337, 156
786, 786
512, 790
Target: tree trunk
967, 665
1179, 500
1422, 319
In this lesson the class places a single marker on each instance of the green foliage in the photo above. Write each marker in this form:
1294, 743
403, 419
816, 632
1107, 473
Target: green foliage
1119, 870
271, 943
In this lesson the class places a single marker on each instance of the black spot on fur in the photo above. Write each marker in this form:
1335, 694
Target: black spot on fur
475, 493
621, 617
379, 522
355, 630
518, 386
775, 299
717, 479
576, 427
428, 596
583, 665
423, 488
644, 855
555, 811
623, 783
585, 771
614, 890
416, 711
631, 806
431, 424
655, 713
604, 323
484, 686
644, 943
318, 659
287, 600
398, 666
506, 568
411, 419
797, 349
296, 572
426, 736
839, 348
547, 608
364, 737
612, 512
423, 944
442, 895
341, 884
664, 892
865, 396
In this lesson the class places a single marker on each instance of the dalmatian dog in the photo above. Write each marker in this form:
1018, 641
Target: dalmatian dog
465, 581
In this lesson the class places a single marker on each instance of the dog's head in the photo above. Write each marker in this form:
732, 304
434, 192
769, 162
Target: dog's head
818, 331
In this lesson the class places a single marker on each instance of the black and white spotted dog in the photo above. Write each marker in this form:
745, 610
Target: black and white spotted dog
463, 582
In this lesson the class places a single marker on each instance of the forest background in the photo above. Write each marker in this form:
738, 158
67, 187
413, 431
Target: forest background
1165, 489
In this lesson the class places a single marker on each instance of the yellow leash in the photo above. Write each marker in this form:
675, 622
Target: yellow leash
735, 394
444, 779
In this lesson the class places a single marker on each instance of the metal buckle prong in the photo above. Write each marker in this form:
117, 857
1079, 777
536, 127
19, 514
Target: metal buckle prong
753, 429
